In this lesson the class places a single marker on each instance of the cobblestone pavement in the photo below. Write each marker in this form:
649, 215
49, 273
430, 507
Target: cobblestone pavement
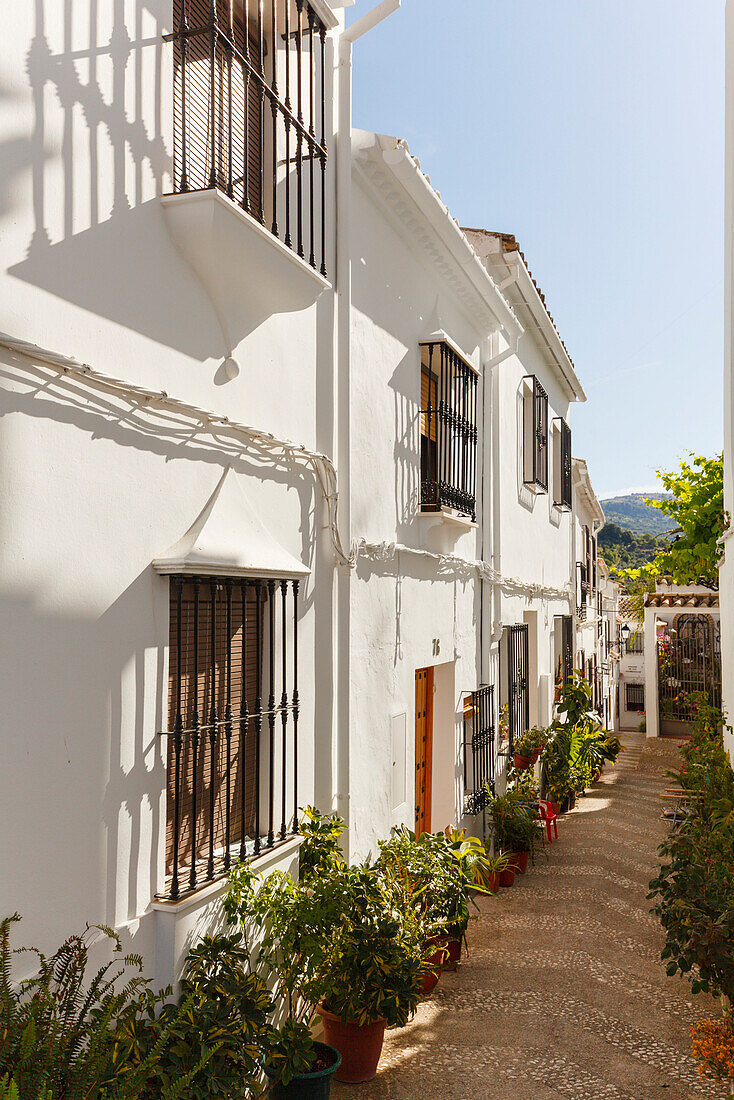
563, 993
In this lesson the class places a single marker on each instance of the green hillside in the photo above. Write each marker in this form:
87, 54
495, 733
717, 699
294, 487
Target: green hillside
631, 513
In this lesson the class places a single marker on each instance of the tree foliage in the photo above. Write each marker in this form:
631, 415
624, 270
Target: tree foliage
696, 509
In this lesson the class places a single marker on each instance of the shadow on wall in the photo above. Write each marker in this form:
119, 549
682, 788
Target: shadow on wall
79, 687
99, 240
84, 808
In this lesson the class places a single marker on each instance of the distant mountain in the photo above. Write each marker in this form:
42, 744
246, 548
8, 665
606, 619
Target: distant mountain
631, 513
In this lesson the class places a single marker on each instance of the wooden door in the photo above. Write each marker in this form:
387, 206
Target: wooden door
423, 748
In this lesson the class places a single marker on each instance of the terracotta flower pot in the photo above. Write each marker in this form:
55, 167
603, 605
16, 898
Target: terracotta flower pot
493, 881
536, 755
507, 877
308, 1086
522, 763
360, 1046
436, 962
520, 860
454, 953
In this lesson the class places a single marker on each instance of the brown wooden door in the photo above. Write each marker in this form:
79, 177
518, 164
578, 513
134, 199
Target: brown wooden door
423, 748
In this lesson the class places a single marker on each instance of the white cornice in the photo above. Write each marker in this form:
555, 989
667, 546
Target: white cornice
582, 482
395, 178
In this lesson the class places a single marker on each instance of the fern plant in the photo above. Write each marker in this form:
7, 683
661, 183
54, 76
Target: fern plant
58, 1034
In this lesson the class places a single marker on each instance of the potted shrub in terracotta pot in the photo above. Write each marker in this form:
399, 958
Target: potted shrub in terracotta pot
437, 876
527, 749
371, 972
515, 829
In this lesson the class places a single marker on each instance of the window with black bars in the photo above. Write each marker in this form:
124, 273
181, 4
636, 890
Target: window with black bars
582, 588
448, 431
232, 736
563, 498
567, 647
535, 449
479, 740
634, 696
518, 697
635, 643
250, 112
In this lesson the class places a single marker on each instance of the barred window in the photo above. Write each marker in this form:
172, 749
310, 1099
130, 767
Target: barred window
635, 696
479, 752
562, 481
517, 660
448, 428
250, 112
232, 736
535, 444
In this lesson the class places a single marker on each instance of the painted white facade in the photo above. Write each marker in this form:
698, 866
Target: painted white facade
726, 567
225, 346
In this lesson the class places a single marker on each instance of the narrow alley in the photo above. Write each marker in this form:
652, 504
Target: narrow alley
563, 992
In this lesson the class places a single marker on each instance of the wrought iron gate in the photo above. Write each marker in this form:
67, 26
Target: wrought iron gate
518, 711
689, 663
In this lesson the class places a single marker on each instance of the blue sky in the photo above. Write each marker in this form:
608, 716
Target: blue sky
593, 131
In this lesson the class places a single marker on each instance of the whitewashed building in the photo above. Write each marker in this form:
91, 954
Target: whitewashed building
597, 649
726, 567
196, 368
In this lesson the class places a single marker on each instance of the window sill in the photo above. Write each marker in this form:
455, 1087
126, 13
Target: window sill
451, 516
210, 891
536, 487
248, 273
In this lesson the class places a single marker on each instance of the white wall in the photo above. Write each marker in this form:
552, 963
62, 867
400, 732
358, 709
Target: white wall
726, 571
404, 614
93, 492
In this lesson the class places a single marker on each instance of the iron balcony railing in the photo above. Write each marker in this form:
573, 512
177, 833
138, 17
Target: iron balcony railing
250, 112
232, 737
448, 431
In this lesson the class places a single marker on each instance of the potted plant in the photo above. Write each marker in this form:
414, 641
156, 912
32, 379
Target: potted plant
528, 747
515, 830
438, 877
283, 926
496, 866
370, 971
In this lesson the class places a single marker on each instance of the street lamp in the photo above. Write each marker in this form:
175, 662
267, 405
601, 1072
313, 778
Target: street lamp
625, 633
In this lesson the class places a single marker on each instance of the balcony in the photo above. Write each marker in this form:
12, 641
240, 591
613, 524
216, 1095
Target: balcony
250, 154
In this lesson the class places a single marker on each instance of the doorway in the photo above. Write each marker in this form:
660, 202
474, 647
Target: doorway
423, 749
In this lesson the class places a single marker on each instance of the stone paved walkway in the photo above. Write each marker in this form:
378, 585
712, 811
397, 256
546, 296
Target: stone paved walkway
563, 993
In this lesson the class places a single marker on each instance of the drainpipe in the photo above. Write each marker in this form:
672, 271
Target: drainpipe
341, 388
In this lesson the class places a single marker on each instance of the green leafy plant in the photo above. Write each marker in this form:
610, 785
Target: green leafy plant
694, 889
58, 1031
531, 741
321, 850
698, 520
514, 825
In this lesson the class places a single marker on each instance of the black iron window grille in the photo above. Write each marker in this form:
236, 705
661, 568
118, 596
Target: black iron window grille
250, 112
634, 697
563, 498
567, 647
518, 696
582, 589
479, 738
635, 643
232, 736
535, 448
448, 431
